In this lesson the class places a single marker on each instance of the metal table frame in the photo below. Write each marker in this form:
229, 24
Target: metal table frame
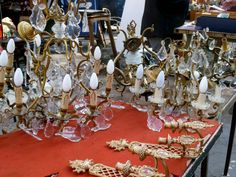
203, 158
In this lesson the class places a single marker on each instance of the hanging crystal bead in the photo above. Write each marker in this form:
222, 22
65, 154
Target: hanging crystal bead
34, 15
212, 44
162, 53
41, 21
72, 28
85, 27
59, 29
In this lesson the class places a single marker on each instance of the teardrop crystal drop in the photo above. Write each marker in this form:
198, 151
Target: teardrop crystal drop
212, 44
162, 53
34, 15
196, 56
85, 27
231, 54
40, 21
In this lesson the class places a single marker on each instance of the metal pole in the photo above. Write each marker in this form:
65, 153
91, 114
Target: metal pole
231, 141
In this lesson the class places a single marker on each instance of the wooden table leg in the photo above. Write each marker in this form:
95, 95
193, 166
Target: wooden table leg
113, 45
91, 35
204, 167
231, 141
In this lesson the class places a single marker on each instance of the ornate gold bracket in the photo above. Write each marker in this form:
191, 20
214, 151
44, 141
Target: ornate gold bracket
121, 170
195, 125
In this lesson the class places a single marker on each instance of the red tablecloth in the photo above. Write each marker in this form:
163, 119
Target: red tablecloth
23, 156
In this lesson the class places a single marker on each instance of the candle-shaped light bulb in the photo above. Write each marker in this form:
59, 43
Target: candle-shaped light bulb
97, 53
65, 99
196, 75
3, 58
11, 46
110, 67
109, 79
97, 57
138, 80
139, 72
93, 81
18, 81
3, 64
93, 93
66, 84
160, 80
203, 85
38, 40
18, 77
158, 94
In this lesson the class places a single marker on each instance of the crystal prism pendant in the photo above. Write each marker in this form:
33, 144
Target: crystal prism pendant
101, 124
196, 57
59, 29
162, 53
49, 129
154, 123
37, 19
231, 54
85, 27
35, 2
72, 28
182, 68
212, 44
41, 21
71, 133
34, 15
85, 131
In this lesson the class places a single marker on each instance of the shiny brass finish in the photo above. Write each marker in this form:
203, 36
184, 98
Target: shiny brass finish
155, 150
26, 31
184, 140
121, 170
195, 125
131, 44
42, 60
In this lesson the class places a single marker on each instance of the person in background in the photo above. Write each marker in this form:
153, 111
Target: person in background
166, 15
228, 4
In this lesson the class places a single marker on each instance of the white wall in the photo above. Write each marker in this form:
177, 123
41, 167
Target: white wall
133, 10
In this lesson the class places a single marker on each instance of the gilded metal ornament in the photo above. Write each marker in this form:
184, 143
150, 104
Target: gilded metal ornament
159, 151
121, 170
196, 125
182, 140
143, 150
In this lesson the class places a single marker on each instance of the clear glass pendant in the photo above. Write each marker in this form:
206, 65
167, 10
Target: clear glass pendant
154, 123
37, 18
70, 133
59, 29
196, 57
231, 54
101, 123
72, 28
182, 68
212, 44
85, 27
162, 53
34, 15
49, 129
